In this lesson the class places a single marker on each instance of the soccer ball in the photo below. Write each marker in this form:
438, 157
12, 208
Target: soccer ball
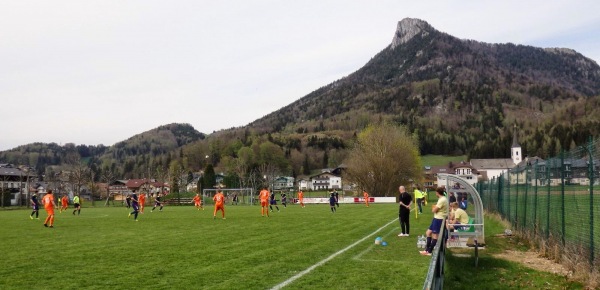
378, 241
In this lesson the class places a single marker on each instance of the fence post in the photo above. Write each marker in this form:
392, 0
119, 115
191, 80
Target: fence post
508, 196
535, 196
500, 195
548, 199
517, 200
527, 169
562, 194
591, 178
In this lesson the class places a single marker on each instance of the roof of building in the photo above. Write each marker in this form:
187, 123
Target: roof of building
486, 164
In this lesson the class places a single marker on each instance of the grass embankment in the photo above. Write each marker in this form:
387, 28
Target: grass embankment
497, 273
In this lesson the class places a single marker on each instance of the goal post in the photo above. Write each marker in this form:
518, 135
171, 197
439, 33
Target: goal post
245, 196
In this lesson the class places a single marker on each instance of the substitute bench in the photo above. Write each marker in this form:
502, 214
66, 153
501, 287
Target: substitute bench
472, 234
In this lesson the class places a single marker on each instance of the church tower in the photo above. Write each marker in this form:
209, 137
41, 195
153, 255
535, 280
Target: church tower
515, 149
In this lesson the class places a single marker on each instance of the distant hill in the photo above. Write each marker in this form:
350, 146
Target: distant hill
154, 146
457, 96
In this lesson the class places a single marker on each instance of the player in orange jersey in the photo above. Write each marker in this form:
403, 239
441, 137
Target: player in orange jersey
64, 203
197, 202
142, 201
264, 201
219, 199
49, 205
301, 198
366, 196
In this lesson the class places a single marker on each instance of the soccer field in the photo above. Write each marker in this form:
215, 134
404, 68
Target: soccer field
185, 248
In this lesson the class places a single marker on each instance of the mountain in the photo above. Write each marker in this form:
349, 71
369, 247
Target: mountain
461, 94
151, 147
456, 96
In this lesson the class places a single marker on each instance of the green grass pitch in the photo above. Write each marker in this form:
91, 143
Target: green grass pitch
182, 248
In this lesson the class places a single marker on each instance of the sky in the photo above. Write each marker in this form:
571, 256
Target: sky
98, 72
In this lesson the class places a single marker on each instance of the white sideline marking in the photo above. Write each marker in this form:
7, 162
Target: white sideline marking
309, 269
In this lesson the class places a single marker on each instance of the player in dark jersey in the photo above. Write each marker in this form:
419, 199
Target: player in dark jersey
157, 202
337, 198
128, 200
273, 201
135, 204
332, 202
35, 205
284, 199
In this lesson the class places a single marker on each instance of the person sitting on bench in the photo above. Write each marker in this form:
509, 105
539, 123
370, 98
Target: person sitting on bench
458, 217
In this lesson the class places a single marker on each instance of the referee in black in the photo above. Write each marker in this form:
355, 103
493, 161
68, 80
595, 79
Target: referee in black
404, 214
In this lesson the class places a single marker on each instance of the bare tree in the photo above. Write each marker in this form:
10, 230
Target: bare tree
240, 168
78, 177
109, 177
384, 157
269, 172
162, 176
177, 171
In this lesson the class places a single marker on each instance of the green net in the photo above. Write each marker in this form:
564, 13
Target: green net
554, 202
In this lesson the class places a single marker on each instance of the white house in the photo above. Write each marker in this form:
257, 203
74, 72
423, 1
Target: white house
462, 169
325, 181
304, 184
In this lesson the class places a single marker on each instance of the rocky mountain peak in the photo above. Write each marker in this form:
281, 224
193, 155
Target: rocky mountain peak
409, 28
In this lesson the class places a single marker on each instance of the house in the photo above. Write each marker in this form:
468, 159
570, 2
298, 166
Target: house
325, 181
462, 169
138, 184
15, 181
304, 184
553, 172
118, 189
283, 183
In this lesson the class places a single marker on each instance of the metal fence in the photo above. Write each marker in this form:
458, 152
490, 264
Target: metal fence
553, 202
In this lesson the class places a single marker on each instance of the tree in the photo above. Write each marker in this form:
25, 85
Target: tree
78, 177
384, 157
209, 177
108, 176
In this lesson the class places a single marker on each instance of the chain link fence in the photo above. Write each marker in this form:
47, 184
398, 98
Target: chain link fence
554, 203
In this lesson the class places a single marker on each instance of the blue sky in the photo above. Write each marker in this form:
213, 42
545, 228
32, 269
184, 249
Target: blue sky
99, 72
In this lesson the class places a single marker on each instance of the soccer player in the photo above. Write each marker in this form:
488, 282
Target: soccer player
49, 205
64, 203
235, 199
128, 200
142, 201
366, 196
264, 201
135, 204
77, 205
440, 211
157, 202
337, 198
273, 202
301, 198
197, 202
219, 200
332, 202
404, 211
35, 205
284, 199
